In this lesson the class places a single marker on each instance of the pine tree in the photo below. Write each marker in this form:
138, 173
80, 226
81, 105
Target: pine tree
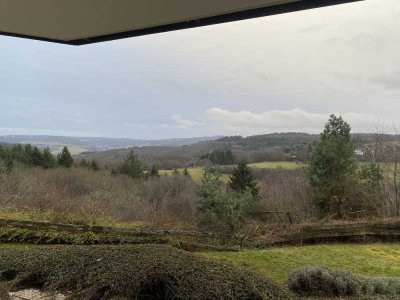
94, 165
221, 157
27, 155
83, 163
6, 159
131, 166
21, 154
242, 180
48, 160
36, 157
186, 172
154, 172
64, 158
332, 166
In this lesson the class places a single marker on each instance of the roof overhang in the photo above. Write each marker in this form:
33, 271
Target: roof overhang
79, 22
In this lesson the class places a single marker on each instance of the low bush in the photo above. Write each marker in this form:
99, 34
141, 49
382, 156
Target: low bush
49, 234
81, 196
318, 281
130, 272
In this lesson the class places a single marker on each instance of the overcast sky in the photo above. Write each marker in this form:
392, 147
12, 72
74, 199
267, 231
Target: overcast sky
273, 74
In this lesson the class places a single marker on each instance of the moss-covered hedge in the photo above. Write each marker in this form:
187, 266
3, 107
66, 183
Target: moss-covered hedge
130, 272
318, 281
50, 236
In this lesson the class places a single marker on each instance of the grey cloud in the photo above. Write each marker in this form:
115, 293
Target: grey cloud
389, 81
184, 123
247, 122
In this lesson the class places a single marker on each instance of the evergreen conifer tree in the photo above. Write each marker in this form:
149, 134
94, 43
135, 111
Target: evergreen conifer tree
332, 166
131, 166
36, 157
154, 172
48, 160
186, 172
83, 163
64, 158
242, 180
94, 165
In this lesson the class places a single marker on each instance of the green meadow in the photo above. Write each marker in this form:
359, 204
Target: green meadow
277, 263
197, 173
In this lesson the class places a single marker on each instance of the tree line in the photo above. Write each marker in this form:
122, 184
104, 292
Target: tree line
32, 156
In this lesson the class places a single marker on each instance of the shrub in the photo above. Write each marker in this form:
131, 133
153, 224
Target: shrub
64, 158
131, 166
131, 272
218, 205
318, 281
283, 190
82, 196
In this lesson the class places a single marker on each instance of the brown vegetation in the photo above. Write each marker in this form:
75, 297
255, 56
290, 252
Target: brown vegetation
82, 196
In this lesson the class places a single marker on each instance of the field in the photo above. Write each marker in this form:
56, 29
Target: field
197, 173
277, 263
74, 149
287, 165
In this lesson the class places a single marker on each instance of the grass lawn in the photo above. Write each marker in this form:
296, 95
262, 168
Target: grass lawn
277, 263
11, 245
288, 165
33, 215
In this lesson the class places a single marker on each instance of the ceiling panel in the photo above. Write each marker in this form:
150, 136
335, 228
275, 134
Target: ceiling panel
80, 22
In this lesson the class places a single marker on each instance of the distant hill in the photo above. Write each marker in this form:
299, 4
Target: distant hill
98, 144
268, 147
186, 152
291, 146
286, 139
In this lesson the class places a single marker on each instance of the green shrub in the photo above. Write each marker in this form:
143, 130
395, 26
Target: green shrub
131, 166
131, 272
216, 205
318, 281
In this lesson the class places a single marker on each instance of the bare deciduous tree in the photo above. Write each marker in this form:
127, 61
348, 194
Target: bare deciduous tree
396, 161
